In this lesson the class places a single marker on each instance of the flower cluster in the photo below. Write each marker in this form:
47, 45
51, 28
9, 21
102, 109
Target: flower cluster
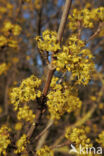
37, 4
18, 126
8, 27
4, 139
45, 151
3, 68
7, 38
48, 41
21, 144
73, 56
62, 98
26, 114
76, 59
26, 91
86, 17
78, 137
100, 139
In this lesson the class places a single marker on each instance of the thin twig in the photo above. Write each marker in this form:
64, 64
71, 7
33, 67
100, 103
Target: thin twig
80, 122
101, 25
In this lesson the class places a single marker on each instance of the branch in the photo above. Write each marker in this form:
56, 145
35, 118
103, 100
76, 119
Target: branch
51, 69
80, 122
64, 19
101, 25
59, 37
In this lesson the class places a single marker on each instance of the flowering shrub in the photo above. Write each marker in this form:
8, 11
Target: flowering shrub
51, 77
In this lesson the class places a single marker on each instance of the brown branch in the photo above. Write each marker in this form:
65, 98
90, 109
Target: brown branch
64, 19
59, 37
101, 25
60, 145
51, 68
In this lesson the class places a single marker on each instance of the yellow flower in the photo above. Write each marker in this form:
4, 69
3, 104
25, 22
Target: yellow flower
7, 26
21, 144
3, 41
3, 68
12, 43
4, 139
100, 139
48, 41
26, 92
18, 126
26, 114
16, 30
62, 98
45, 151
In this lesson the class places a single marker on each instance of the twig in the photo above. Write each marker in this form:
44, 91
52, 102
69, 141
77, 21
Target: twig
46, 128
80, 122
64, 19
51, 67
96, 33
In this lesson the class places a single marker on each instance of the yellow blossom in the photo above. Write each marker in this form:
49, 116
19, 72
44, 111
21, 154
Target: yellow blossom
21, 144
3, 68
26, 114
48, 41
62, 98
45, 151
16, 30
18, 126
4, 139
3, 41
26, 92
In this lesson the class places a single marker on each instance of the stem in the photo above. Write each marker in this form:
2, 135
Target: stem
59, 37
64, 19
51, 68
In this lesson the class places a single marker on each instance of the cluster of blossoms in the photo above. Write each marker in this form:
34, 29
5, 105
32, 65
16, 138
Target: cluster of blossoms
26, 114
76, 59
15, 29
18, 126
86, 17
45, 151
3, 68
7, 38
78, 137
100, 140
37, 4
48, 41
26, 91
73, 56
62, 98
4, 139
21, 144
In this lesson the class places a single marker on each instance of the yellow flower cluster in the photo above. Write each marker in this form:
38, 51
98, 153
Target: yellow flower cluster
3, 40
3, 68
18, 126
4, 139
26, 114
100, 140
21, 144
26, 91
14, 28
45, 151
37, 4
76, 60
48, 41
7, 29
86, 17
78, 137
62, 98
